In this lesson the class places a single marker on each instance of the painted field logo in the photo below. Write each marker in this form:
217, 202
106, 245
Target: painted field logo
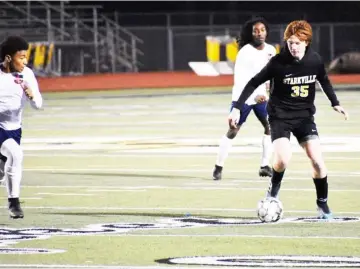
336, 219
267, 261
29, 251
256, 221
219, 222
10, 236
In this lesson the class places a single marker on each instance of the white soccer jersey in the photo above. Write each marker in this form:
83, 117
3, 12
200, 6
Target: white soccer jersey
13, 98
249, 62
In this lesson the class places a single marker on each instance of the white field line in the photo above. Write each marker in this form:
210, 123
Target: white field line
131, 155
63, 194
125, 190
99, 139
122, 188
186, 209
156, 155
182, 145
63, 266
100, 189
336, 149
31, 198
90, 139
106, 124
174, 149
240, 235
184, 170
235, 182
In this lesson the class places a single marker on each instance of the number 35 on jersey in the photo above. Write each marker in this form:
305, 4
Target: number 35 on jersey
300, 91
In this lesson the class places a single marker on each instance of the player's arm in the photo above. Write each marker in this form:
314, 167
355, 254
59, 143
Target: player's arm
328, 89
267, 87
263, 94
326, 86
264, 75
241, 67
268, 83
31, 89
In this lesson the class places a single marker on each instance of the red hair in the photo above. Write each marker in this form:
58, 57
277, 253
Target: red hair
301, 29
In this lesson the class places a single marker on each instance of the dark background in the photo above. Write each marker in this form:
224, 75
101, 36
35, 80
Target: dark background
143, 18
317, 11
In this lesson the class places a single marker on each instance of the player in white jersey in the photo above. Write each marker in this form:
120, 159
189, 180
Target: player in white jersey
18, 86
253, 55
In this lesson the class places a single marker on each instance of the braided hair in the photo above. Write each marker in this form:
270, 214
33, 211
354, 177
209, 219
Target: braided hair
246, 35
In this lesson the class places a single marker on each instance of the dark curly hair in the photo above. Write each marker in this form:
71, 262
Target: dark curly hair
246, 32
11, 45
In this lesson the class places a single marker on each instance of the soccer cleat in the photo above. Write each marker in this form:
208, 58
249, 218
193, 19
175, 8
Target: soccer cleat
15, 210
265, 171
217, 172
324, 210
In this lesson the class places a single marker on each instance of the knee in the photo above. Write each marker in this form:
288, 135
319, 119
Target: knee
231, 134
15, 157
281, 163
18, 157
319, 167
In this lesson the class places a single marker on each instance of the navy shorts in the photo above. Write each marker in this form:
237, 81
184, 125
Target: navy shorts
5, 135
259, 110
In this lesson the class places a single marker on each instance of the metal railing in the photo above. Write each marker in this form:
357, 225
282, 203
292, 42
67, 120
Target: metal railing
72, 26
171, 48
197, 18
169, 44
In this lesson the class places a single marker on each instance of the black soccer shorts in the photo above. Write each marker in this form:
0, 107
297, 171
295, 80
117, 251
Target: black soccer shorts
303, 129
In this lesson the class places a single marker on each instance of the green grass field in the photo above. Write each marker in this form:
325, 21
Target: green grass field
123, 179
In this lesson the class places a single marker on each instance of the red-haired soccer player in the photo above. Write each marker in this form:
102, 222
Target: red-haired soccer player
291, 107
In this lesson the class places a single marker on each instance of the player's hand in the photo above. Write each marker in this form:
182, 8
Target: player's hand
260, 98
28, 92
233, 118
342, 111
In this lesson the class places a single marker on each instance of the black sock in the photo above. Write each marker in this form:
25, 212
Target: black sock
218, 168
321, 186
276, 182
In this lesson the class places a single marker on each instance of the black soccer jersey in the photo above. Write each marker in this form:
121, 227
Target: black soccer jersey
293, 82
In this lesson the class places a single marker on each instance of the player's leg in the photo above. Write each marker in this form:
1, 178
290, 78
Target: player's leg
280, 135
261, 114
11, 149
3, 136
13, 170
226, 142
2, 169
308, 138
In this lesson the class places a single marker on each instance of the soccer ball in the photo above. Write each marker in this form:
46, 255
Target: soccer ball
270, 209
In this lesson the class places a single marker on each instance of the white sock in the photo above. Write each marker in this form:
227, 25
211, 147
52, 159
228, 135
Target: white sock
13, 167
13, 180
224, 147
267, 150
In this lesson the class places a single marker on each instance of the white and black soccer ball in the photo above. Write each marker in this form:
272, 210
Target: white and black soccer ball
270, 209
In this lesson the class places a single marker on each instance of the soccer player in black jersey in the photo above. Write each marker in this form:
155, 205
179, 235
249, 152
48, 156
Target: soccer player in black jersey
293, 74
